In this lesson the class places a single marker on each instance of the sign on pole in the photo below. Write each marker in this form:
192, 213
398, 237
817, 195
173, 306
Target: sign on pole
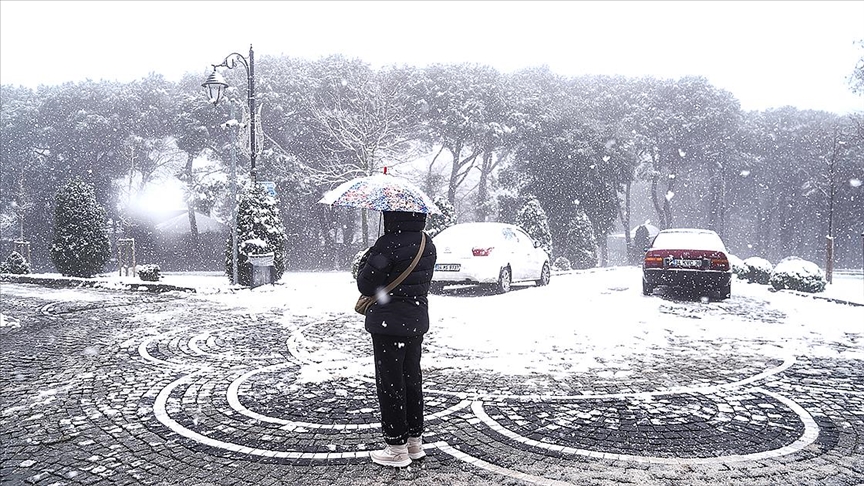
269, 187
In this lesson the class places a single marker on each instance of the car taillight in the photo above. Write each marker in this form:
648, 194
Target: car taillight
719, 263
482, 251
653, 261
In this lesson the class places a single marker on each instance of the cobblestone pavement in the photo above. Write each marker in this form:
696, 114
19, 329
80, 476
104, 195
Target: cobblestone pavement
134, 388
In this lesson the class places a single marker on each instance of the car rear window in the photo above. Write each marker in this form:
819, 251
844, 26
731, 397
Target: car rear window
688, 241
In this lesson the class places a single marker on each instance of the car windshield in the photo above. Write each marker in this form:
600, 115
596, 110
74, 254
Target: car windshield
688, 240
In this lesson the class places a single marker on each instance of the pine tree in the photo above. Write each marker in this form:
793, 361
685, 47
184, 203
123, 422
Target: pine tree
532, 218
581, 244
437, 223
259, 230
80, 247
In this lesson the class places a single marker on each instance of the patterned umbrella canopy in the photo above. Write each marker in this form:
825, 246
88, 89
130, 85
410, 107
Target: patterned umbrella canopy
381, 192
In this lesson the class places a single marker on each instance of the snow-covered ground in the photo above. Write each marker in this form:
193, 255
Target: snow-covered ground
594, 320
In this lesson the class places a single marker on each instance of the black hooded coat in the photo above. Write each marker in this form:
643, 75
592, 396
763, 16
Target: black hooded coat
405, 310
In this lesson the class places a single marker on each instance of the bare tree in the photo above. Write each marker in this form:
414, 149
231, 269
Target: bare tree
364, 127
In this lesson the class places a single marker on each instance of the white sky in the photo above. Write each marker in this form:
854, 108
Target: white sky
768, 54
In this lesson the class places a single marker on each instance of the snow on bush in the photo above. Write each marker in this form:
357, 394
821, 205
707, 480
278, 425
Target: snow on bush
16, 264
150, 273
758, 270
580, 246
259, 230
737, 265
80, 247
533, 219
355, 262
793, 273
561, 264
437, 223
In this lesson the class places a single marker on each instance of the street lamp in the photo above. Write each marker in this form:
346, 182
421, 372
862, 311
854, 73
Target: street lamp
215, 85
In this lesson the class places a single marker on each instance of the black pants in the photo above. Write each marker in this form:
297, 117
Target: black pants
399, 384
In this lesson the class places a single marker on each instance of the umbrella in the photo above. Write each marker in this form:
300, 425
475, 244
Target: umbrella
381, 192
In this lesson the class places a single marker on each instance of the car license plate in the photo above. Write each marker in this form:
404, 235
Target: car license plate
685, 263
447, 267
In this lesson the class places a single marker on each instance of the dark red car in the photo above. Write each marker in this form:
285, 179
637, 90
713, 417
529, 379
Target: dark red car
689, 259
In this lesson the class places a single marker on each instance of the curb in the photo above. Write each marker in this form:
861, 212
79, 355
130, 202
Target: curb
820, 297
76, 282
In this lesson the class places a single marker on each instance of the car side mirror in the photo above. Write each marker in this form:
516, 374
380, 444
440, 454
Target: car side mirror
537, 244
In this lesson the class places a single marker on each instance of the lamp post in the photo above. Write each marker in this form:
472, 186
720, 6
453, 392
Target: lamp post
215, 85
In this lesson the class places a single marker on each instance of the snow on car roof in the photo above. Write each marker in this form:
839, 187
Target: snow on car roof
473, 233
688, 239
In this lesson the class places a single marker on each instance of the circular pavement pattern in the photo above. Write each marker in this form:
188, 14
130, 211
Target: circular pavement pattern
233, 387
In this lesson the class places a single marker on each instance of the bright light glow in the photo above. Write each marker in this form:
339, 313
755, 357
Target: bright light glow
165, 196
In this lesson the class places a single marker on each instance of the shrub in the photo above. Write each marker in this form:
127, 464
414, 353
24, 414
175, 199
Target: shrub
737, 265
150, 273
437, 223
355, 262
561, 264
535, 222
259, 230
16, 264
793, 273
80, 246
580, 242
757, 270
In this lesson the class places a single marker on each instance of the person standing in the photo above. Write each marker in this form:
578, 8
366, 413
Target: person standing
397, 322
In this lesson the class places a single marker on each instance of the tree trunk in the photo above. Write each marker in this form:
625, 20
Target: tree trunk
603, 244
195, 257
625, 220
456, 152
482, 190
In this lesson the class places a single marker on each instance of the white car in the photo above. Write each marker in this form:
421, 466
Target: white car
497, 254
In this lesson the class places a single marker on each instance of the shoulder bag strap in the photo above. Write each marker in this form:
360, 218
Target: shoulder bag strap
408, 270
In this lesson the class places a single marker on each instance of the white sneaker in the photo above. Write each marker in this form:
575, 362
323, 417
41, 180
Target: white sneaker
392, 455
415, 448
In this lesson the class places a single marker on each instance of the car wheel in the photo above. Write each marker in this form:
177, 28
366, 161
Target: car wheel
545, 275
647, 289
504, 281
436, 288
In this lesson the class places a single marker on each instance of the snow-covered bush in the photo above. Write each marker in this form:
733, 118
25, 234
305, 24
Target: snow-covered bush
796, 274
580, 243
355, 263
437, 223
534, 221
259, 230
80, 247
561, 264
15, 263
757, 270
737, 265
150, 273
